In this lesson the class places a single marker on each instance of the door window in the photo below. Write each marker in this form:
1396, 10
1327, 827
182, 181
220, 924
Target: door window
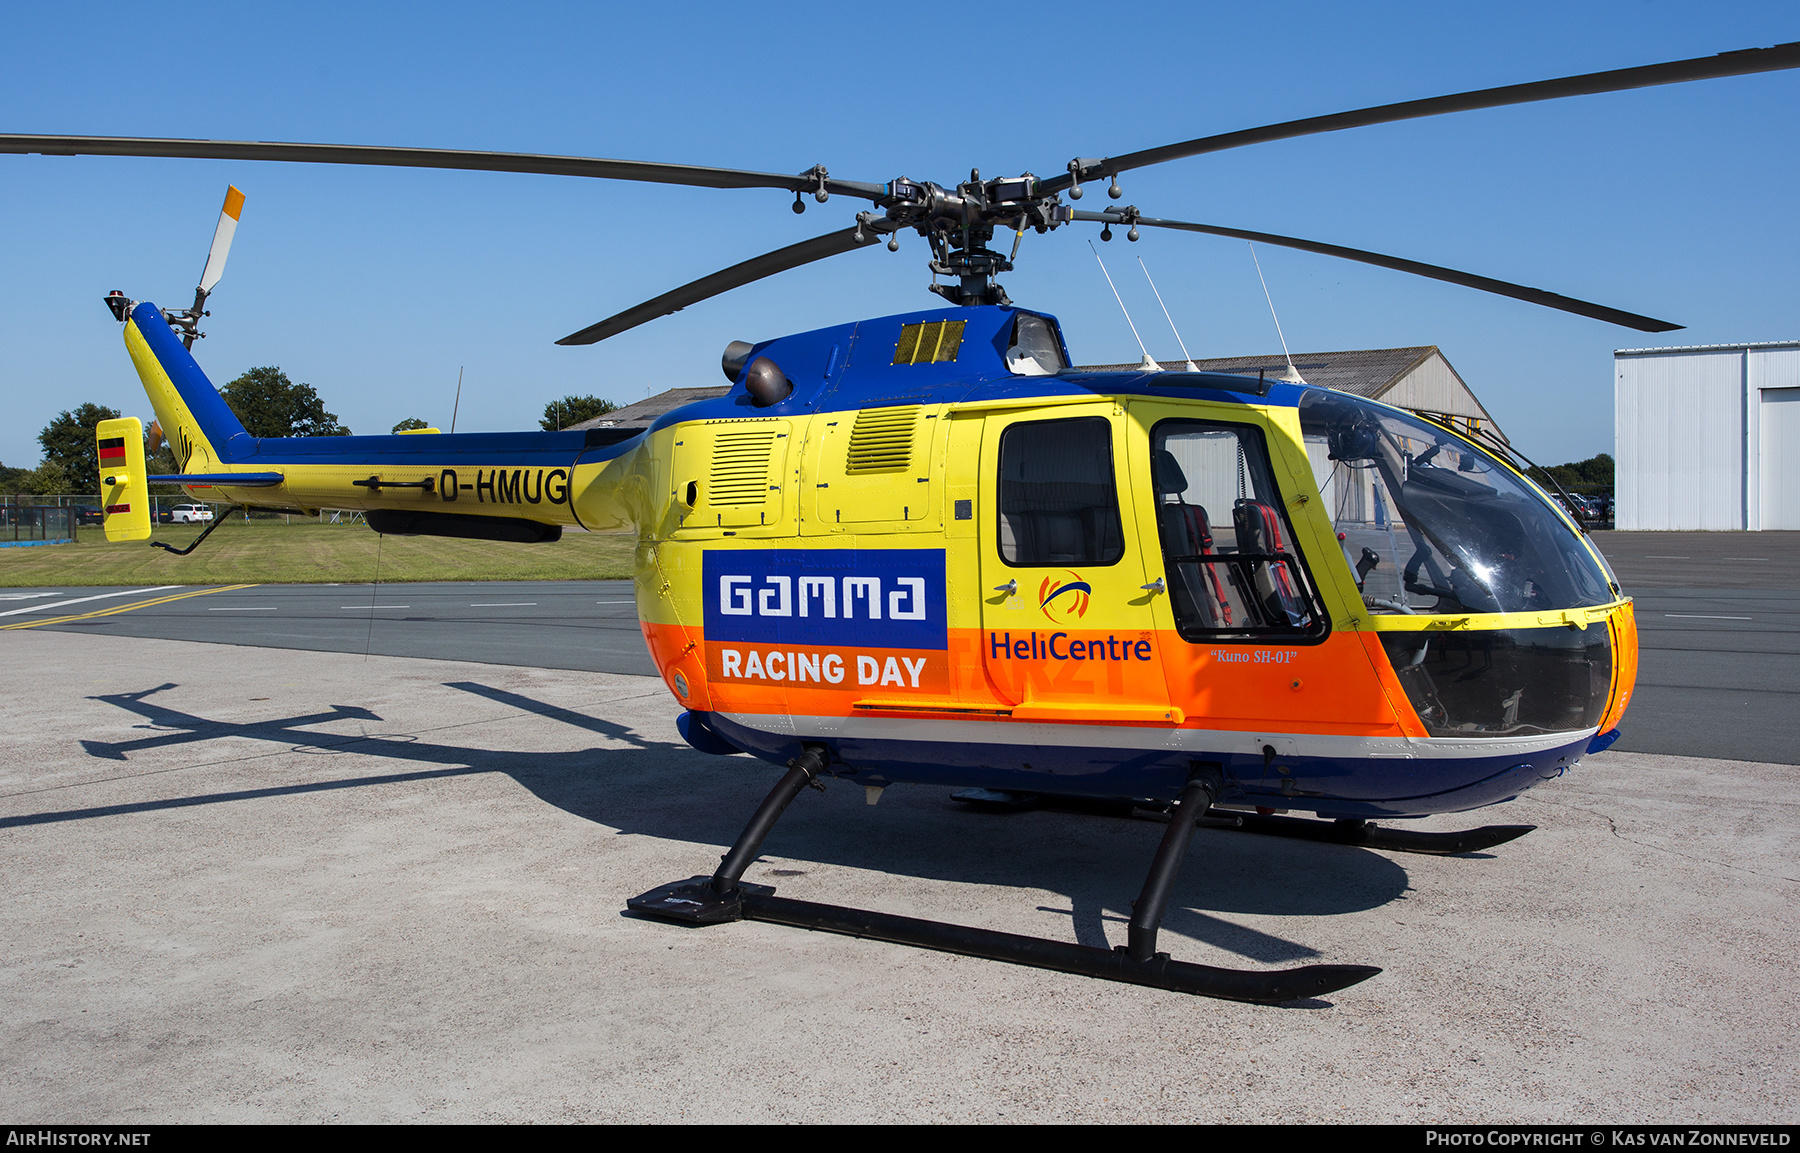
1059, 504
1228, 550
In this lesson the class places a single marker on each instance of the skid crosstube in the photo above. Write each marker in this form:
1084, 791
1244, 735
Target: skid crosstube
1369, 836
726, 897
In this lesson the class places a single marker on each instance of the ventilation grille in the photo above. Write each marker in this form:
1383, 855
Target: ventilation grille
934, 342
881, 440
740, 468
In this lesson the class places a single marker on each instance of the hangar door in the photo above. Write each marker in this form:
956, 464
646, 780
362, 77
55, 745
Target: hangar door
1780, 458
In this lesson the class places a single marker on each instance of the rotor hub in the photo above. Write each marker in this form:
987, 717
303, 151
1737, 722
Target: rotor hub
959, 224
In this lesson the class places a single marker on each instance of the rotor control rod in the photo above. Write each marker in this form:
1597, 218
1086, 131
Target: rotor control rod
1197, 796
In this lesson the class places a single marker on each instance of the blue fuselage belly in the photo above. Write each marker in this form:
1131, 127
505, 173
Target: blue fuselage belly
1385, 787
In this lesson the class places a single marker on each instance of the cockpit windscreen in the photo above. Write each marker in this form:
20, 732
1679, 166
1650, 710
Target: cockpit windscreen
1432, 524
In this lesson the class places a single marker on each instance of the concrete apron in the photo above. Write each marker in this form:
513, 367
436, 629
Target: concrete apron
256, 885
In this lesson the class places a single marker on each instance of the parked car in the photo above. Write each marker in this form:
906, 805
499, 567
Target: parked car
190, 514
88, 514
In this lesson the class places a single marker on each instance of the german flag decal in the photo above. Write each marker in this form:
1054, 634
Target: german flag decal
112, 450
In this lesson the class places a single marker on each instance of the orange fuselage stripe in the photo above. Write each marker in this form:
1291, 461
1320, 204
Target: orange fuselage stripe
1335, 687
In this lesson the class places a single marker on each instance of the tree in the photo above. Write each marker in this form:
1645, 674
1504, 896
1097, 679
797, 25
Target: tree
69, 444
160, 461
1590, 475
573, 410
269, 404
48, 479
410, 422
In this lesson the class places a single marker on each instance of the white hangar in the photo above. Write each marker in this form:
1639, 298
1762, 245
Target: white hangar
1708, 437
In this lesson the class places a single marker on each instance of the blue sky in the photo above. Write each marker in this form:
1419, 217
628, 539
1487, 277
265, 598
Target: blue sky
376, 286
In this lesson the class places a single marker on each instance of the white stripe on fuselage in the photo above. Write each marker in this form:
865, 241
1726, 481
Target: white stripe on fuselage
1215, 742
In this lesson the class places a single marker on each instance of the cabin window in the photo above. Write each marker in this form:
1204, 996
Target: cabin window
1228, 549
1035, 350
1059, 502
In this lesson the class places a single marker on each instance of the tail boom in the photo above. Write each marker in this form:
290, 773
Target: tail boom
550, 479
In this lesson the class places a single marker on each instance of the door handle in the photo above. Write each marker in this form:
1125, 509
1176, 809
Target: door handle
1153, 588
1009, 588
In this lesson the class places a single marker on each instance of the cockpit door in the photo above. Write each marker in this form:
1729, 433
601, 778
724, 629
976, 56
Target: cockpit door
1067, 627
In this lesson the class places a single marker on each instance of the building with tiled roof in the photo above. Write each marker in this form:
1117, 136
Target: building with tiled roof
1417, 378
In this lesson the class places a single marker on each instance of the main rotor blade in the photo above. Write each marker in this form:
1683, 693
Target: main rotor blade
644, 170
1400, 264
738, 275
1740, 63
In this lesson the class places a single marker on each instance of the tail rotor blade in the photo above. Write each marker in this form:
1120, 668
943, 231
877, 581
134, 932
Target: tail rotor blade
221, 243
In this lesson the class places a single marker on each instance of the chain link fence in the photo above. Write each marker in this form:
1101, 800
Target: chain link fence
39, 519
24, 524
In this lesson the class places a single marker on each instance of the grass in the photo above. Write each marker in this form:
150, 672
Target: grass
274, 552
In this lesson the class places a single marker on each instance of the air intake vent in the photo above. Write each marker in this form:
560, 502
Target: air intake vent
881, 440
931, 343
740, 468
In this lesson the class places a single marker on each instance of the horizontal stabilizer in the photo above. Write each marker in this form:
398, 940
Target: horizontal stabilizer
222, 479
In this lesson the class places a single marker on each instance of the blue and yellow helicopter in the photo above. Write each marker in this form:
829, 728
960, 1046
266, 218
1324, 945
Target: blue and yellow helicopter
927, 549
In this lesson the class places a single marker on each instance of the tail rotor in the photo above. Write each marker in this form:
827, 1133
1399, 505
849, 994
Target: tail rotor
187, 321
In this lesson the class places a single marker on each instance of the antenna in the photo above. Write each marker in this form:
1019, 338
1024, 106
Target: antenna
1191, 366
1146, 364
1292, 375
458, 404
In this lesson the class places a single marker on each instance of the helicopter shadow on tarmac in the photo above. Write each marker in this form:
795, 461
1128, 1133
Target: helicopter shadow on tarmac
671, 792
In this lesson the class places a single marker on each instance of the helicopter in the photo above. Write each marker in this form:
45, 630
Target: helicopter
928, 549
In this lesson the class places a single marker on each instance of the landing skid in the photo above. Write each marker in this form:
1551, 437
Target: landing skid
725, 897
1369, 836
1344, 832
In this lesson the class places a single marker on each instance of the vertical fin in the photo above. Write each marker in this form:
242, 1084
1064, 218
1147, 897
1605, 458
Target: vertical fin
202, 430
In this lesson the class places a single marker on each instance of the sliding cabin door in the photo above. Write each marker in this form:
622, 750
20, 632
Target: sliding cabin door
1067, 627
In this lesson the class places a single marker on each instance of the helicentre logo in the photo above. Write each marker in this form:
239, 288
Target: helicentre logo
1065, 598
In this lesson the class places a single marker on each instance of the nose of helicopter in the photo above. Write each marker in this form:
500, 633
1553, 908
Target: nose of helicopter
1623, 626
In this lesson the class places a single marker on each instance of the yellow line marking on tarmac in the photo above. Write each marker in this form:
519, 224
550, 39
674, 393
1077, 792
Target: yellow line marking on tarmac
106, 612
79, 600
